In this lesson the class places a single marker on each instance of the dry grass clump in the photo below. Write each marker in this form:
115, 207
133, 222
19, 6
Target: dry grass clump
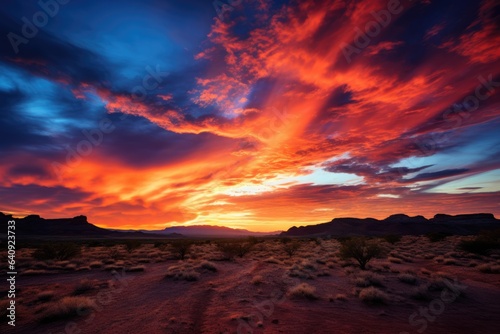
436, 283
349, 270
366, 279
373, 295
184, 272
425, 271
67, 307
135, 269
421, 293
45, 296
258, 279
408, 278
299, 270
290, 246
208, 266
84, 286
273, 260
393, 259
341, 297
112, 267
450, 262
303, 290
439, 259
307, 265
489, 268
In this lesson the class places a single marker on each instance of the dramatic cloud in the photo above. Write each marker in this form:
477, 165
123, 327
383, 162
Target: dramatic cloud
280, 113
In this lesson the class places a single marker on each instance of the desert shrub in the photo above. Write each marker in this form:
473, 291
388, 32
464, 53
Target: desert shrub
231, 249
285, 240
407, 278
489, 268
45, 296
114, 254
131, 245
394, 259
135, 269
450, 262
373, 295
482, 244
181, 248
425, 271
208, 266
186, 275
361, 250
84, 286
95, 264
67, 307
291, 247
57, 251
253, 240
341, 296
421, 293
273, 260
437, 236
256, 280
303, 290
392, 238
366, 279
317, 241
160, 244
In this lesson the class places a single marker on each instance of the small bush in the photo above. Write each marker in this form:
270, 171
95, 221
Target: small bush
368, 279
425, 271
341, 296
407, 278
181, 248
303, 290
45, 296
291, 247
131, 245
273, 260
361, 250
489, 268
67, 307
135, 269
231, 249
437, 236
208, 266
256, 280
84, 286
394, 259
95, 264
450, 262
392, 239
57, 251
421, 293
482, 244
373, 295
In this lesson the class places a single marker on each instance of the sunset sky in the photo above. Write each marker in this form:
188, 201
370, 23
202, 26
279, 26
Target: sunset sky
258, 115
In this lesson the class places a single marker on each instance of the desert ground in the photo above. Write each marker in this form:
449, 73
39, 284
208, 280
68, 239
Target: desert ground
257, 286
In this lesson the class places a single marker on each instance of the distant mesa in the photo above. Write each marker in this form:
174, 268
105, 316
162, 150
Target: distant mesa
214, 231
79, 227
402, 218
76, 227
400, 224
